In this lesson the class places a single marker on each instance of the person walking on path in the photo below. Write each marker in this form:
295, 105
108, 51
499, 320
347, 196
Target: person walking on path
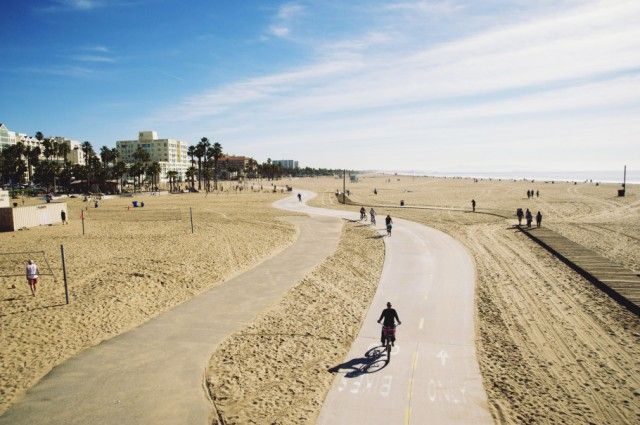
538, 219
372, 213
63, 217
529, 218
363, 214
520, 214
389, 224
473, 205
390, 315
32, 276
299, 197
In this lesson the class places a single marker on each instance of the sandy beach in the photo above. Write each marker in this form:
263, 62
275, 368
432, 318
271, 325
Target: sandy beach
275, 370
131, 265
552, 347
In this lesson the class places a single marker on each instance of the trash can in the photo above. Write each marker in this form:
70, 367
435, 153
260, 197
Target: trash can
135, 204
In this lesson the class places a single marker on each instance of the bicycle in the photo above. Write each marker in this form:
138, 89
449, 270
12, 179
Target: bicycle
388, 338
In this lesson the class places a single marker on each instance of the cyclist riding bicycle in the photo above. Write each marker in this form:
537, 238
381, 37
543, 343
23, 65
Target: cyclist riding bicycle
388, 325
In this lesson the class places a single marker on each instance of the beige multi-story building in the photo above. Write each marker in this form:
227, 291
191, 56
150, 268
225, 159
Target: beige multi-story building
171, 154
75, 154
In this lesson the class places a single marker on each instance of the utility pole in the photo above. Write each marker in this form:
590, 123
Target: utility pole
621, 192
344, 186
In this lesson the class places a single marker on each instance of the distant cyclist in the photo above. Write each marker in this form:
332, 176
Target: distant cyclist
389, 224
372, 214
299, 197
390, 316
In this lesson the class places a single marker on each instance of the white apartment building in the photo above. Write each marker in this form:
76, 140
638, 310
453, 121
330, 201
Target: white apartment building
8, 137
171, 154
286, 163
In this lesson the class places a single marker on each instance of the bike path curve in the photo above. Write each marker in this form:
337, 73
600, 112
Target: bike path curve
154, 374
433, 375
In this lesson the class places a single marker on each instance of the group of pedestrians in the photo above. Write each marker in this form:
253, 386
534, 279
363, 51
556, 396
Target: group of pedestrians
372, 215
531, 193
529, 217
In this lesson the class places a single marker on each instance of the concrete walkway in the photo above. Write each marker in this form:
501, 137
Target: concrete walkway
433, 376
154, 374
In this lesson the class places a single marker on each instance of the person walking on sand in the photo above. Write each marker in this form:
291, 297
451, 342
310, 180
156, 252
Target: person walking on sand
63, 217
537, 193
529, 217
363, 214
520, 214
389, 224
539, 219
390, 315
473, 205
372, 213
32, 276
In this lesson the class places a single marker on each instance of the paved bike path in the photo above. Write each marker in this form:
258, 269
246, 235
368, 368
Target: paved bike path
433, 376
154, 374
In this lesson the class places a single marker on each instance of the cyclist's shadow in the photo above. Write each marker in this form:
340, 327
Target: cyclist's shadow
373, 361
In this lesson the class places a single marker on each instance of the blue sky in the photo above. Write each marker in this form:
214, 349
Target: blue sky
426, 85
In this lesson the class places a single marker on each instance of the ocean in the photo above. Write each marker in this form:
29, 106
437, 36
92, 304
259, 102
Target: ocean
633, 176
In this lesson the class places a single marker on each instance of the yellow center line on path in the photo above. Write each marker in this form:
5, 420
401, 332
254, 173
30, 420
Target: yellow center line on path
426, 296
421, 325
407, 412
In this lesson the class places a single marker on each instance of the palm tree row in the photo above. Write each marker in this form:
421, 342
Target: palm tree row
55, 170
208, 157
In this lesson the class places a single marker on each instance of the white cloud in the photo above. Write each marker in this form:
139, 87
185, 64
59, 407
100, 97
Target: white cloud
289, 11
427, 7
284, 19
96, 48
279, 31
551, 81
93, 58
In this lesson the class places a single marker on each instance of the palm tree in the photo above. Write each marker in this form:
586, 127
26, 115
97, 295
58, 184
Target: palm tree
47, 144
191, 151
118, 171
13, 166
87, 150
191, 174
216, 153
141, 157
32, 155
154, 171
63, 151
172, 175
200, 152
106, 155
